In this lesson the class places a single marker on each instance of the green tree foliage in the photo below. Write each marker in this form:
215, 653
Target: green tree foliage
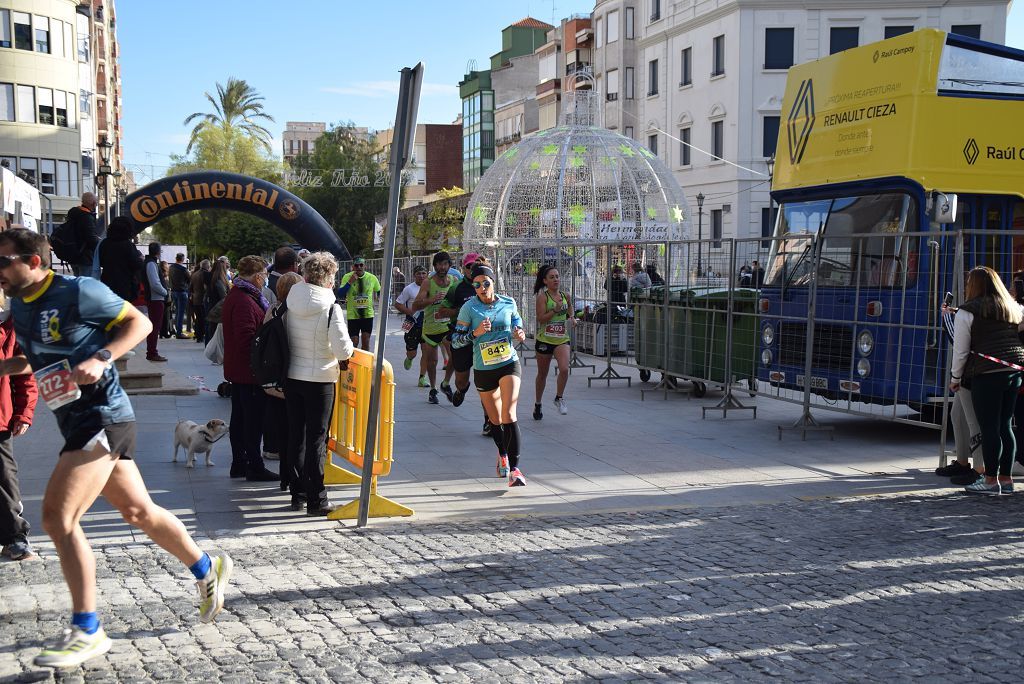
350, 209
237, 106
442, 225
212, 232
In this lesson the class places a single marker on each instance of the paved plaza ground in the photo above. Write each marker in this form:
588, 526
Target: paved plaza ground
649, 544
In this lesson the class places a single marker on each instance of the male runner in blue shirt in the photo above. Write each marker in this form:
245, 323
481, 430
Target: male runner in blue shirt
81, 323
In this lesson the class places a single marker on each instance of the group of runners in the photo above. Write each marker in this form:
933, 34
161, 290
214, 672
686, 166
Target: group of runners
458, 313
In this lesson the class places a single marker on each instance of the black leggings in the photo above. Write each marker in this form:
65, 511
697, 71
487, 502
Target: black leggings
994, 396
309, 412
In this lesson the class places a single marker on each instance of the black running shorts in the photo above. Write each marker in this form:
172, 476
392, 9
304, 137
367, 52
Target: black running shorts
120, 436
462, 357
487, 380
358, 325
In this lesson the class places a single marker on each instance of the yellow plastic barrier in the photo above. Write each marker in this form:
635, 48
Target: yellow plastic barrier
346, 436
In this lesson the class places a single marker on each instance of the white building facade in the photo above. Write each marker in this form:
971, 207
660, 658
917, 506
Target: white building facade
712, 73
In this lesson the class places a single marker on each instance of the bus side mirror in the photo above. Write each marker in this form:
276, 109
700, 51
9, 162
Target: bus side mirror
943, 207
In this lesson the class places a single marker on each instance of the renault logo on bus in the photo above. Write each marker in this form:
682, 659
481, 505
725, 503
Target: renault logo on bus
971, 151
801, 121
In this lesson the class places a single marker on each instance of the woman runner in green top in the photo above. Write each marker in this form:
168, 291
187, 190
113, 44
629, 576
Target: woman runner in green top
554, 319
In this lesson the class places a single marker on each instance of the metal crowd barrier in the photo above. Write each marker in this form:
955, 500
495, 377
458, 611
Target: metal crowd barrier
347, 435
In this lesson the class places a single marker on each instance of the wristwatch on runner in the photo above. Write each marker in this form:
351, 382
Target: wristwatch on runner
104, 355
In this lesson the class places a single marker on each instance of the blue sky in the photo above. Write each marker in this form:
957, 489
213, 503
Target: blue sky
313, 60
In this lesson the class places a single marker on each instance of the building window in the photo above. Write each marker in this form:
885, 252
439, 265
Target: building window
893, 31
47, 176
686, 67
84, 96
778, 48
6, 102
630, 30
83, 38
769, 135
716, 227
42, 26
628, 131
655, 10
73, 190
612, 84
63, 178
26, 104
652, 77
45, 96
684, 146
27, 169
718, 139
60, 107
5, 28
843, 38
613, 26
767, 226
57, 44
969, 30
629, 83
599, 32
652, 143
23, 31
718, 56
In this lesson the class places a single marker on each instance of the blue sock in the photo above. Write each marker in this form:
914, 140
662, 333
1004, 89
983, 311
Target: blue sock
201, 567
87, 622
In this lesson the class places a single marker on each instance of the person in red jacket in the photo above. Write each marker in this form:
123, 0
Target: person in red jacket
17, 404
242, 314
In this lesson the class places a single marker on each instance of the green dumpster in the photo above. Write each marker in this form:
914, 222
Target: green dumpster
648, 328
707, 335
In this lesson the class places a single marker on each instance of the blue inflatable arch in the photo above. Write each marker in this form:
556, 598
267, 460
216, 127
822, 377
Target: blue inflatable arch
222, 190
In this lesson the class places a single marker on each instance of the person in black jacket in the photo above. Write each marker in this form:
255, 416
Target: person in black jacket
87, 234
120, 260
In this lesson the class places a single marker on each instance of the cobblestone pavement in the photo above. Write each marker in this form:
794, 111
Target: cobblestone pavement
873, 588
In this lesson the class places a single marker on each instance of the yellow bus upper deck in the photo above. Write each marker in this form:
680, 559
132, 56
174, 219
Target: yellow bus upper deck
941, 110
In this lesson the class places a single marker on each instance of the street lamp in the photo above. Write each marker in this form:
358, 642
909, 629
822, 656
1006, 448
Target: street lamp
700, 229
105, 146
117, 192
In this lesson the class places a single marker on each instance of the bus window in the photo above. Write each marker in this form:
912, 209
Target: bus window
1018, 239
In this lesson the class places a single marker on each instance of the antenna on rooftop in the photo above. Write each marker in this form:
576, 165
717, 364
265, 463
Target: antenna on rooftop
470, 66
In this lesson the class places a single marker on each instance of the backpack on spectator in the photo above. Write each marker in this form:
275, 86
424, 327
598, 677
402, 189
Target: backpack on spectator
270, 355
64, 243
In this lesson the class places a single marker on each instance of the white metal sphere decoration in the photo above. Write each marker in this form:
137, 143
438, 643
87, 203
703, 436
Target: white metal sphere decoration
578, 182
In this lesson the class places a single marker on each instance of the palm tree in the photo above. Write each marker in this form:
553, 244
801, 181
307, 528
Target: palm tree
237, 105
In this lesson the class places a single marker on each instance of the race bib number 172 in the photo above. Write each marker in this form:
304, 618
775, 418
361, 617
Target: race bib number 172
56, 386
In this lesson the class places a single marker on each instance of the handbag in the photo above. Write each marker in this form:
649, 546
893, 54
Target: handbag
215, 349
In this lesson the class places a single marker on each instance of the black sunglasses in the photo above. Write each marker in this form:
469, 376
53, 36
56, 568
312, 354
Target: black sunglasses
482, 284
6, 261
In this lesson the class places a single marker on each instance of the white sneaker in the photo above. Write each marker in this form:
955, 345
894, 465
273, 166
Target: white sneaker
74, 648
562, 408
212, 587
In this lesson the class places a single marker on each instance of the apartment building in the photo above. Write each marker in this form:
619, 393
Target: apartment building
701, 83
436, 160
60, 97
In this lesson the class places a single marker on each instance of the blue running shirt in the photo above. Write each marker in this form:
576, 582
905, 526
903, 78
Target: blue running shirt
71, 318
496, 348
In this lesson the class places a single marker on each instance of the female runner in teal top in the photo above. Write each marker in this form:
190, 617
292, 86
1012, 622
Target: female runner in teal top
492, 325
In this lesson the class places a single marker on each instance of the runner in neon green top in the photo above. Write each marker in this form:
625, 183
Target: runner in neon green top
359, 288
436, 322
554, 320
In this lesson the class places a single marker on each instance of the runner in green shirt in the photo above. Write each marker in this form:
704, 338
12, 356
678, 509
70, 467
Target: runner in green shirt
359, 288
436, 322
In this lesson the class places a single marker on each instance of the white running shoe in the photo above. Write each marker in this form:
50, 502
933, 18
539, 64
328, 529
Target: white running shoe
212, 587
74, 648
560, 405
516, 479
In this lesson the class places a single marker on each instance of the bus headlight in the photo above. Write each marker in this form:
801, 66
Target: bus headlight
865, 342
768, 335
766, 357
863, 368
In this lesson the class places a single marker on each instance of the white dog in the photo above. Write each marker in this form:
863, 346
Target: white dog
198, 439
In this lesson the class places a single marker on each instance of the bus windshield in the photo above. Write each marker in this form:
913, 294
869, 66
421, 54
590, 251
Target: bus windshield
863, 241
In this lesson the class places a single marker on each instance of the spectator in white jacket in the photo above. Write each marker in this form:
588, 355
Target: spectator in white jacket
317, 341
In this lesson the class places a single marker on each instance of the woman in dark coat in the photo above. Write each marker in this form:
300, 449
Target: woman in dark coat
120, 261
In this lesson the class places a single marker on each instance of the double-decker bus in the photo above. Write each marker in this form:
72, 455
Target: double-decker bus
900, 166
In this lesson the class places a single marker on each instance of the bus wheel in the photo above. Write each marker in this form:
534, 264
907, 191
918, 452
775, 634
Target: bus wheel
645, 375
699, 389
